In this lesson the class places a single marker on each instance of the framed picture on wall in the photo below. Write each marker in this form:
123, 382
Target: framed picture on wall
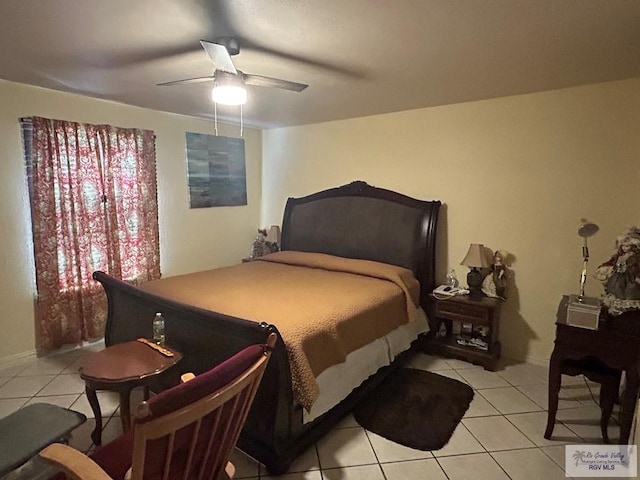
216, 171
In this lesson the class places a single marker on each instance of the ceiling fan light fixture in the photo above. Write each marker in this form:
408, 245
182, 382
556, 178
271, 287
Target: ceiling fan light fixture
229, 94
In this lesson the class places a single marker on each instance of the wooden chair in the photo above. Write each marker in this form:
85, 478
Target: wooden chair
188, 431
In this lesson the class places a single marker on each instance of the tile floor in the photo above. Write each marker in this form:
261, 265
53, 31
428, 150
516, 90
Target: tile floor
500, 437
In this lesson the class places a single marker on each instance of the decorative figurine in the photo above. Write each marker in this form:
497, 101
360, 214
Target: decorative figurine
495, 283
452, 279
621, 274
260, 246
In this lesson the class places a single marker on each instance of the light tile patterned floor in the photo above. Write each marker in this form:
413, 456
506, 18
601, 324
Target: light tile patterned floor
500, 436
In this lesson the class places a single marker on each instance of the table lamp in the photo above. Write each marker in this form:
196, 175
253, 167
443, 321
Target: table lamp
475, 259
584, 311
273, 238
585, 230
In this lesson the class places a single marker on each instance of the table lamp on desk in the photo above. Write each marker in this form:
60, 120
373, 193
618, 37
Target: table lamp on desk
584, 311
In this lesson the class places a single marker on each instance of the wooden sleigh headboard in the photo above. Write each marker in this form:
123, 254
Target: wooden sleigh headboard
360, 221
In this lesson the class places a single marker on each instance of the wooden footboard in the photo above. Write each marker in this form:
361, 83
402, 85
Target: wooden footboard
207, 338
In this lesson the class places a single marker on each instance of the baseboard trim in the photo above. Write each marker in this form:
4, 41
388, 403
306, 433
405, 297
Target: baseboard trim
16, 359
543, 362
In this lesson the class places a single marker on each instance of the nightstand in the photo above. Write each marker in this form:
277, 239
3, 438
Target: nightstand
476, 340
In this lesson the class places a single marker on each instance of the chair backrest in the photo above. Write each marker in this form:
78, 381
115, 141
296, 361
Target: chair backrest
190, 430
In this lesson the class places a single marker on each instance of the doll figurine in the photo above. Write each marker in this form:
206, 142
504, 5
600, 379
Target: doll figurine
495, 283
620, 275
260, 246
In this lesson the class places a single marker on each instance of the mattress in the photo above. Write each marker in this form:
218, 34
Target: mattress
338, 381
324, 307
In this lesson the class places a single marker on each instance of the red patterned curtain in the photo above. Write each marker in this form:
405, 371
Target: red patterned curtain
93, 202
132, 216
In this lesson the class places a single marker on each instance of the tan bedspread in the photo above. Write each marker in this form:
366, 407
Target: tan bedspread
324, 306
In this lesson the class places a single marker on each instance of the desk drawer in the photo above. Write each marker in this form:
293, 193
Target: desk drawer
457, 311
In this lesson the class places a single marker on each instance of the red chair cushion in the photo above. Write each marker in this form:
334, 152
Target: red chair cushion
115, 456
204, 384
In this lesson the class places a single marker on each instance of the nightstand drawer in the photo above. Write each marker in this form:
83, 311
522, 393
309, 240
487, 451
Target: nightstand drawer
455, 310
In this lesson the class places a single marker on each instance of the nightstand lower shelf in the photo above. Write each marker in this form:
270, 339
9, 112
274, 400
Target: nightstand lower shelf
449, 347
476, 316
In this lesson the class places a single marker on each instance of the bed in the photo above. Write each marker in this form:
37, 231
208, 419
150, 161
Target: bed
352, 223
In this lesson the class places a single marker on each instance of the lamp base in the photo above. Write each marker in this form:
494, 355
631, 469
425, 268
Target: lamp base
474, 280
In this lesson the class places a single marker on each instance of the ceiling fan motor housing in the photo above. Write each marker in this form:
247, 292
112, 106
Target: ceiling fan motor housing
225, 78
230, 43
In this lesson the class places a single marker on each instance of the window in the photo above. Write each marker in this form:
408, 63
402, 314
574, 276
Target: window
93, 207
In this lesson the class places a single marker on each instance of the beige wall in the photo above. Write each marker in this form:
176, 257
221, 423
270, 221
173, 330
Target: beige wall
515, 173
190, 240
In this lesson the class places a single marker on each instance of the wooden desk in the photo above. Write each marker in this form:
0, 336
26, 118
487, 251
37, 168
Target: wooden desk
121, 368
616, 344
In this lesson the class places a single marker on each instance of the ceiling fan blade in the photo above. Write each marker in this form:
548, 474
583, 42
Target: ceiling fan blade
262, 81
187, 80
219, 56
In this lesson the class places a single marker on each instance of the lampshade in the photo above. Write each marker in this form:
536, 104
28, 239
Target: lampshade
273, 236
587, 229
475, 257
228, 89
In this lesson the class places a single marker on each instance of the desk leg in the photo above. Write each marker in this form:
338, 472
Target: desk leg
96, 435
125, 413
608, 395
554, 389
628, 403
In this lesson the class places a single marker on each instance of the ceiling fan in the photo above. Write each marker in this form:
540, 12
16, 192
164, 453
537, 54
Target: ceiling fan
228, 81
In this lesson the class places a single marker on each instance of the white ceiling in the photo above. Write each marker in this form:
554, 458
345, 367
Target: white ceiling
359, 57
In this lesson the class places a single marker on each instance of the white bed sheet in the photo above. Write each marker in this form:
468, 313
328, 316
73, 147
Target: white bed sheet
338, 381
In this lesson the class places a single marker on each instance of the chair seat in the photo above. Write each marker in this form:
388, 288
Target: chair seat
115, 456
592, 368
607, 377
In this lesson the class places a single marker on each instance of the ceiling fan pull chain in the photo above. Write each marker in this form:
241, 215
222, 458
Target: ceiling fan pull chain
215, 117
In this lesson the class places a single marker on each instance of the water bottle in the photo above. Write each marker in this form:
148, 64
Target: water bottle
158, 329
452, 280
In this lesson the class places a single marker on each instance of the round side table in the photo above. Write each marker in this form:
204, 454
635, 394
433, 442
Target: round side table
121, 368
